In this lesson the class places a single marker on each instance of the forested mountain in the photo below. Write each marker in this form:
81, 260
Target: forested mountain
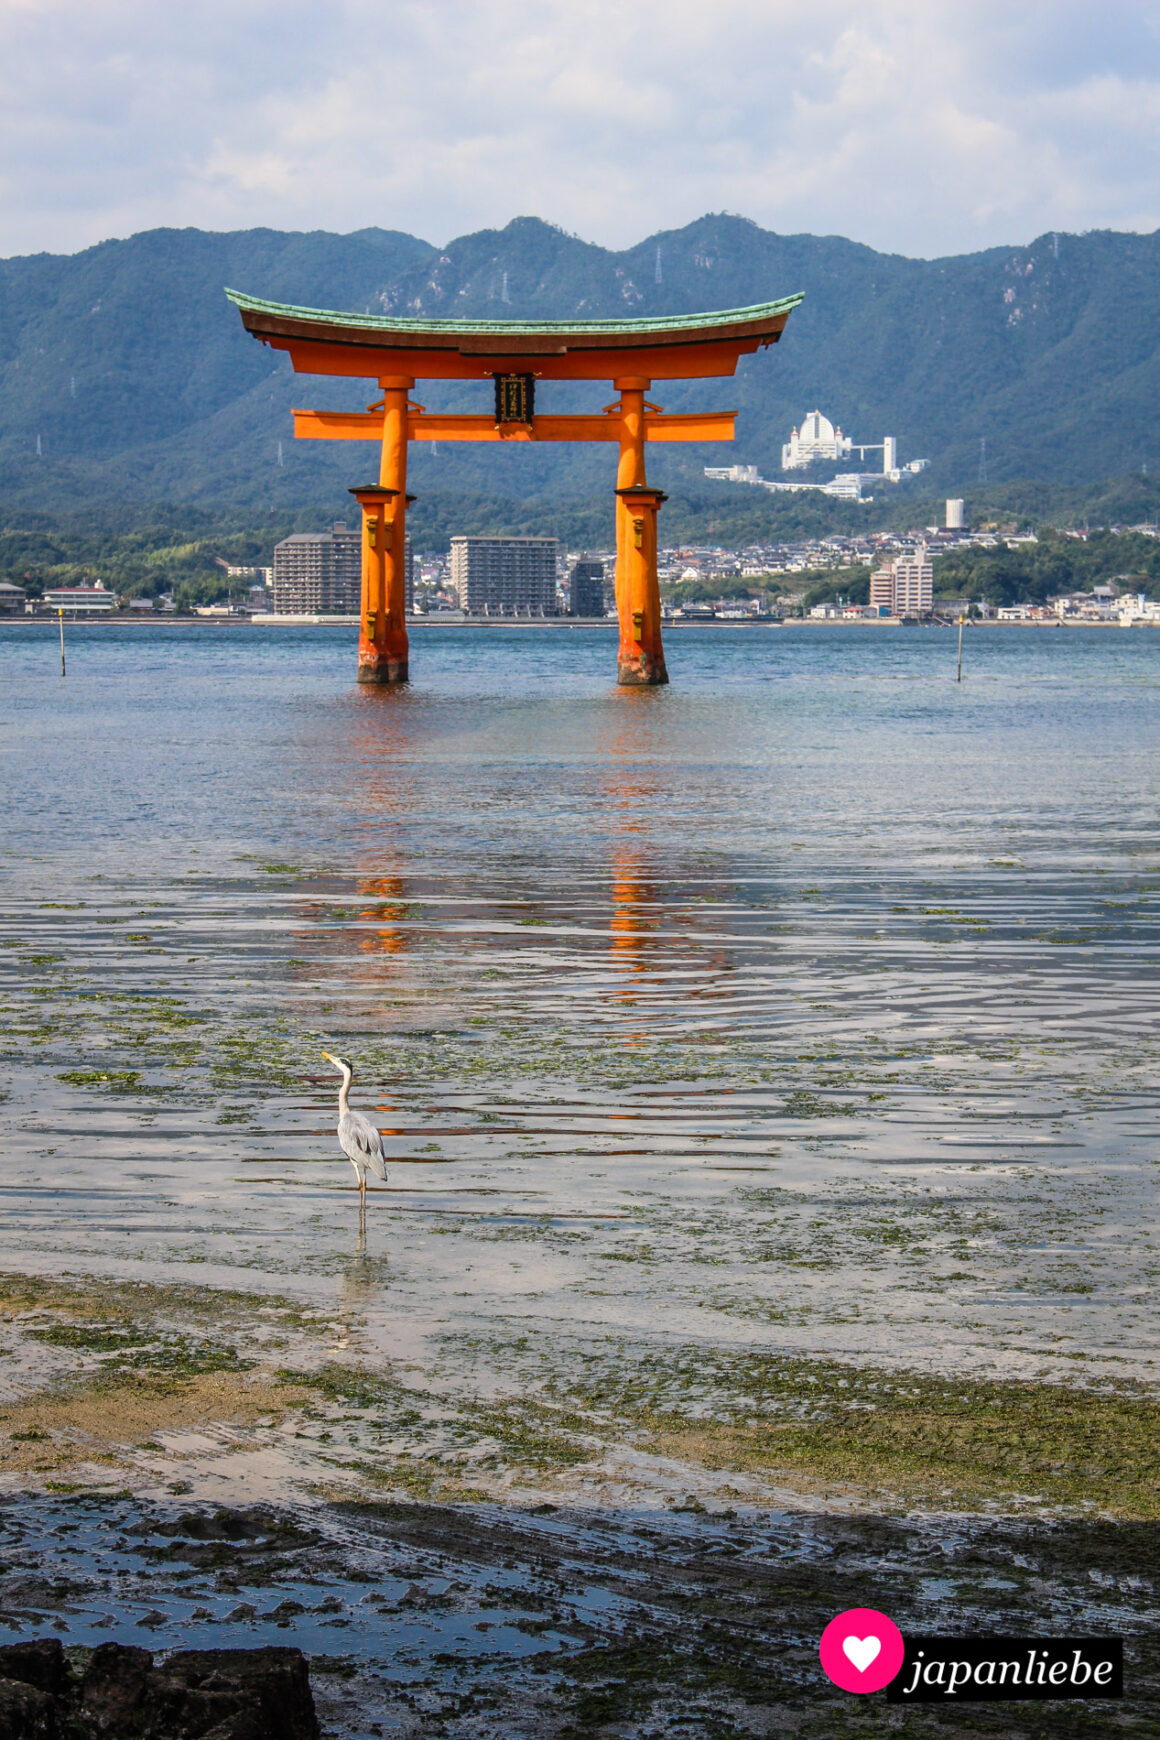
130, 369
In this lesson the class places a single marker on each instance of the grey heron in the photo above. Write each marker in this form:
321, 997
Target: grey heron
358, 1138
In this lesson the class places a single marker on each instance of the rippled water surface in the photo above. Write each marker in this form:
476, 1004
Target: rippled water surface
808, 1003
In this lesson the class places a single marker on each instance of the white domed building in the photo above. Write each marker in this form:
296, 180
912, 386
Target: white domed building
817, 439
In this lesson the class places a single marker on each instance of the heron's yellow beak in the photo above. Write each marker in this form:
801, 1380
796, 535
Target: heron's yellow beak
329, 1058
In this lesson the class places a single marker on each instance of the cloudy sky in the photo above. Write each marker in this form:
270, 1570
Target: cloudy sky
921, 126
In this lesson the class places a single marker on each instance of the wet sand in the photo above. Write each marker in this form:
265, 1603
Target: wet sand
541, 1562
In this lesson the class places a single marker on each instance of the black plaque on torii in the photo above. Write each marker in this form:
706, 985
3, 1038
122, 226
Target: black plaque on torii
515, 399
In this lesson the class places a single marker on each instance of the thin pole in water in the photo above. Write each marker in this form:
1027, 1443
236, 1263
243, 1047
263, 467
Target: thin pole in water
959, 678
60, 615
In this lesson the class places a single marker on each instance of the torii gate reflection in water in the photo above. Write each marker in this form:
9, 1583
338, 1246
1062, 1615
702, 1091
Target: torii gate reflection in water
512, 354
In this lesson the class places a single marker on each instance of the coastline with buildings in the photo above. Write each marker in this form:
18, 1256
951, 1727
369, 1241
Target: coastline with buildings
878, 578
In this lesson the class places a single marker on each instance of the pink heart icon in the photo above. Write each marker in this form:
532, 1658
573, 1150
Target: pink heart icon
861, 1650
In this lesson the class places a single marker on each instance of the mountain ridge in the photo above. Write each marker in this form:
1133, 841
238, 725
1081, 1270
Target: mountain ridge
128, 368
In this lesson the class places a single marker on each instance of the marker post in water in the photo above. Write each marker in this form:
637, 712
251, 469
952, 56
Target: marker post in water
959, 678
60, 618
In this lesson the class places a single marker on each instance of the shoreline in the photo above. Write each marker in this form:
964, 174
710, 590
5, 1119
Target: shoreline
584, 622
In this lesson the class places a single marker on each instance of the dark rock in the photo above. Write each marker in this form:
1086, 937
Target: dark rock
199, 1694
40, 1662
113, 1690
222, 1525
275, 1683
26, 1713
246, 1727
176, 1711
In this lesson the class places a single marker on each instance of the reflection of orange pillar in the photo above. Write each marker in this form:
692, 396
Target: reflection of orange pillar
382, 646
641, 659
627, 896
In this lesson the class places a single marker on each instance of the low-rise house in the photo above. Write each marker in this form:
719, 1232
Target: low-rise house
1134, 607
80, 600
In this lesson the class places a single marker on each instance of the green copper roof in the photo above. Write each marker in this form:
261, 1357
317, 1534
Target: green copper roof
502, 328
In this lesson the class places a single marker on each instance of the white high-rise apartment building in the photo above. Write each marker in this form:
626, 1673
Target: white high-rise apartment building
320, 573
906, 586
882, 590
504, 576
913, 584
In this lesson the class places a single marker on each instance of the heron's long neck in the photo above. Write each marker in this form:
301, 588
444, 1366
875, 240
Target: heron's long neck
343, 1094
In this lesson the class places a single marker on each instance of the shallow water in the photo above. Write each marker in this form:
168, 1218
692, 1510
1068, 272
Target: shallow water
808, 1003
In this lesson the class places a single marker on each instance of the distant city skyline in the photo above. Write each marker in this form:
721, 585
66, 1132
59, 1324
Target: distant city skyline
921, 128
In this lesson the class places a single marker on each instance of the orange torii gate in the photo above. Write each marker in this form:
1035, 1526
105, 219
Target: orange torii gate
513, 354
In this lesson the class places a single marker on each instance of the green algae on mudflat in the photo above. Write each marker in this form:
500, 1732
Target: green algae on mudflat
928, 1440
121, 1081
525, 1432
901, 1437
107, 1306
168, 1354
211, 1054
904, 1437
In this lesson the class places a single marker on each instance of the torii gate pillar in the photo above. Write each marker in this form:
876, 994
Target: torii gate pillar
641, 659
383, 649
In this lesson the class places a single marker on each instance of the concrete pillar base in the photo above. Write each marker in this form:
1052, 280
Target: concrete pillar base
383, 671
643, 672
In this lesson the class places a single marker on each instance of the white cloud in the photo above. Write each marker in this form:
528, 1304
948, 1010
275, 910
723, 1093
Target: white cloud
924, 126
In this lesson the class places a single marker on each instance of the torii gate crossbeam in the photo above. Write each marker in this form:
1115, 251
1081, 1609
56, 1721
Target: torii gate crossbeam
632, 354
